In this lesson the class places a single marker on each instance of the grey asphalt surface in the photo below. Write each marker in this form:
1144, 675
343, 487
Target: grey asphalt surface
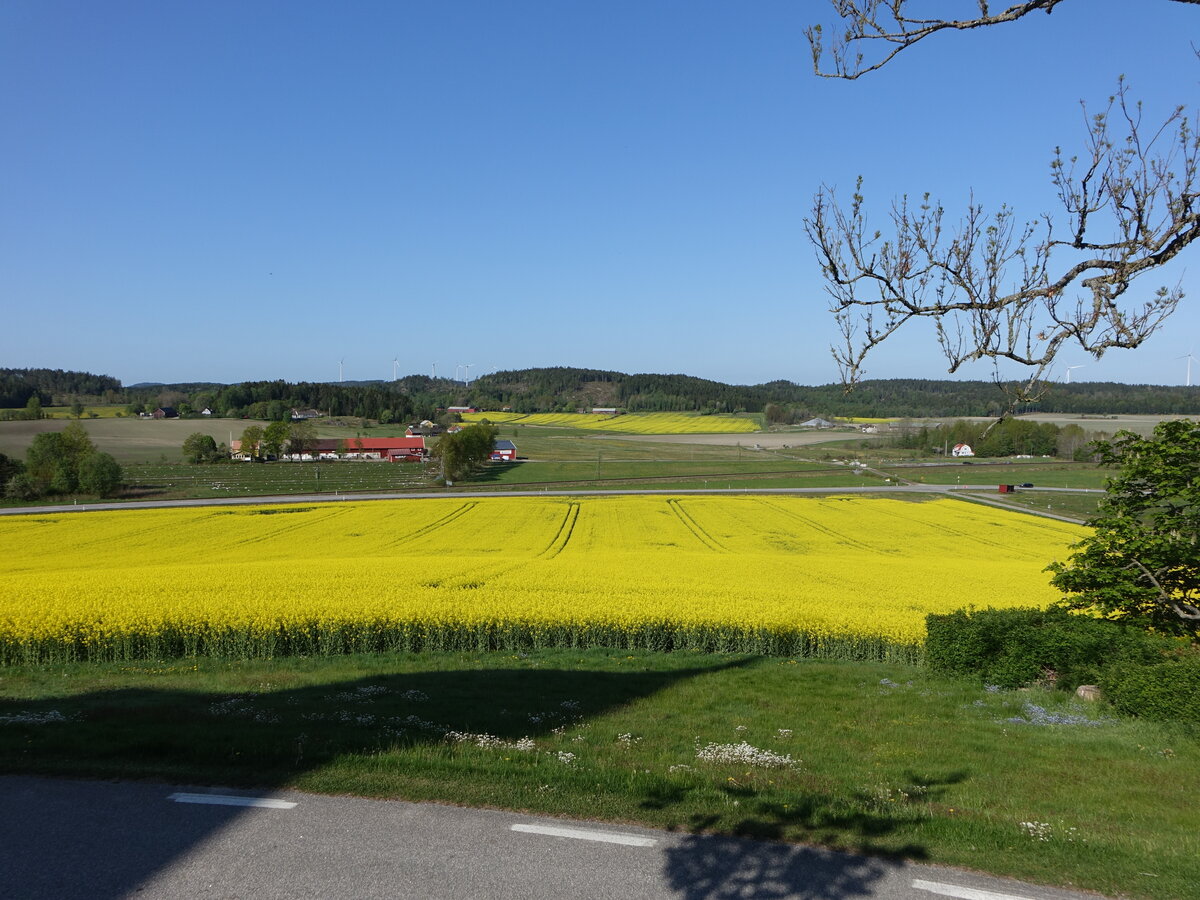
70, 840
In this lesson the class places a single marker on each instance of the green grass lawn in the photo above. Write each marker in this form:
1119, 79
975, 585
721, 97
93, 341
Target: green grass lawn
881, 758
1041, 474
520, 473
1077, 506
242, 479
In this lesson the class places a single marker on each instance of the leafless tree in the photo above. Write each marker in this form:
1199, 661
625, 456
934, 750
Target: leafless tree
887, 26
995, 287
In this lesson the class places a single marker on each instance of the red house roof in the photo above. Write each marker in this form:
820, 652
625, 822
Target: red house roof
382, 445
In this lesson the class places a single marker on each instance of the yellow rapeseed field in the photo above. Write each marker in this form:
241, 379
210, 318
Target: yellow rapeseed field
839, 576
629, 423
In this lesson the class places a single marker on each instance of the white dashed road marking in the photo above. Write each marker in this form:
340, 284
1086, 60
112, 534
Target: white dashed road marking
231, 800
963, 893
608, 837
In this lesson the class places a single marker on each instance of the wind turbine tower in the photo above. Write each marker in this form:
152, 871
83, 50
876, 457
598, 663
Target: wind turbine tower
395, 367
1069, 368
1189, 359
340, 370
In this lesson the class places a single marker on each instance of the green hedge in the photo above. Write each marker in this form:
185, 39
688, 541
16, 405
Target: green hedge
1014, 647
1169, 691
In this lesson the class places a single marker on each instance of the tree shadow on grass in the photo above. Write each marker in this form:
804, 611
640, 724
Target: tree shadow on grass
62, 840
754, 861
257, 741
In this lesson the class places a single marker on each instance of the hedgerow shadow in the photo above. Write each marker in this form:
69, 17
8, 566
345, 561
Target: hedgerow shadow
257, 741
266, 737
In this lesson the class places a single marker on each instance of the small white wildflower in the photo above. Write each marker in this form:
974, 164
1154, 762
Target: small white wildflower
1038, 831
743, 753
785, 732
740, 729
566, 758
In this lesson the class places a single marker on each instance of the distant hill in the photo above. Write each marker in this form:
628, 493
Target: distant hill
53, 386
562, 388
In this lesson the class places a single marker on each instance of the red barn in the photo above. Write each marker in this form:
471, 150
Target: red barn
392, 449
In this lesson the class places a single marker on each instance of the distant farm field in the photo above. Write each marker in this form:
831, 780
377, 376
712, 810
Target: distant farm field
129, 439
629, 423
836, 577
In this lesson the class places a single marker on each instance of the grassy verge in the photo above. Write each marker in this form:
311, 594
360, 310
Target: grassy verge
1078, 506
240, 479
1065, 474
876, 757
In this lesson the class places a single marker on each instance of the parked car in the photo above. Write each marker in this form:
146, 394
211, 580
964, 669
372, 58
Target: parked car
1027, 484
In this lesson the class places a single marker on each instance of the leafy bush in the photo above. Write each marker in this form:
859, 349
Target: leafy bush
1013, 647
1169, 690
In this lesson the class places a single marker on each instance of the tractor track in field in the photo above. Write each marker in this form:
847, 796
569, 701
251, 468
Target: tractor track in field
695, 528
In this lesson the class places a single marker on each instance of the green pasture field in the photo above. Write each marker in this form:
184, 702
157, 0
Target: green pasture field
1076, 506
64, 412
1041, 474
823, 478
171, 481
601, 469
880, 758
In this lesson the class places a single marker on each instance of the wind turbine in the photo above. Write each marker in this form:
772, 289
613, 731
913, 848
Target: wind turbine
340, 361
1069, 368
395, 367
467, 374
1189, 359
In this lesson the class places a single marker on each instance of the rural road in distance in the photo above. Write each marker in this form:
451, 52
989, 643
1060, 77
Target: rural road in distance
69, 840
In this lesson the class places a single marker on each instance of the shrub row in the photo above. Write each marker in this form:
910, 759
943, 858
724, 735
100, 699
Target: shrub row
1140, 672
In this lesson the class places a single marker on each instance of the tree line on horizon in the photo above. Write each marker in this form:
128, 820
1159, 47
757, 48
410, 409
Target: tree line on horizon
566, 389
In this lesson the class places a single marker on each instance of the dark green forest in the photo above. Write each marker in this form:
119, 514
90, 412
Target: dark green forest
564, 389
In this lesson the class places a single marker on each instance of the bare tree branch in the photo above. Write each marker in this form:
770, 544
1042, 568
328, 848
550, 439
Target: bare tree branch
886, 27
1130, 199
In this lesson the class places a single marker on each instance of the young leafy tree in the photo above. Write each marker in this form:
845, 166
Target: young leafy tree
465, 450
99, 474
252, 440
1141, 563
302, 437
53, 459
199, 447
275, 437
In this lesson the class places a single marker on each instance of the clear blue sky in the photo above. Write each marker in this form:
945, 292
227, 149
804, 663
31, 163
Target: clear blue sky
227, 191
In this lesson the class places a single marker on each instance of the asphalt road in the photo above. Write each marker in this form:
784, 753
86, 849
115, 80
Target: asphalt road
70, 840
